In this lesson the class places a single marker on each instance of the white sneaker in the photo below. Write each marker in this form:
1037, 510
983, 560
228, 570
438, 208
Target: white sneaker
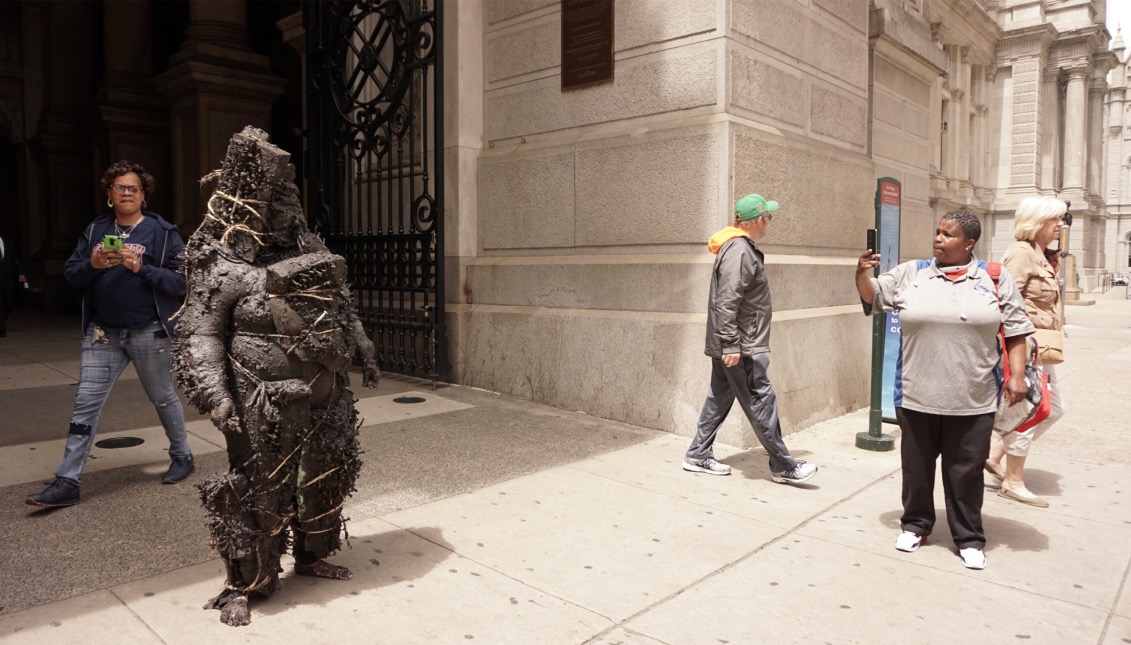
708, 465
973, 558
908, 542
802, 472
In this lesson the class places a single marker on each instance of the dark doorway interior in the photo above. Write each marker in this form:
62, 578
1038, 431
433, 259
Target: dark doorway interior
58, 154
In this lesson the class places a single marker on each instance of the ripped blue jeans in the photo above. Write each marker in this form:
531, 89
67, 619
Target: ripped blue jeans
149, 349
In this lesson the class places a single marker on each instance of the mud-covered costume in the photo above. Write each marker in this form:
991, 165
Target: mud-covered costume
268, 332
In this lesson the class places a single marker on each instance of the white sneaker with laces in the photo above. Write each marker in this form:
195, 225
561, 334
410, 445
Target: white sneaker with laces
908, 542
708, 465
802, 472
973, 558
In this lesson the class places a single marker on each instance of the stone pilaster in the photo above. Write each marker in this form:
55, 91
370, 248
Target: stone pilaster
952, 87
61, 173
130, 121
963, 136
65, 146
1025, 151
294, 36
216, 85
978, 172
1075, 118
463, 144
1095, 135
1049, 127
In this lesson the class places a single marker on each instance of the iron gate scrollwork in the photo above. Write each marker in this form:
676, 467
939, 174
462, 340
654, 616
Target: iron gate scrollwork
375, 167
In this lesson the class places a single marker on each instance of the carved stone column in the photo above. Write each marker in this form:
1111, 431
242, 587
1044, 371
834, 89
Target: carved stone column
963, 137
1049, 125
978, 170
62, 174
1095, 134
216, 85
951, 147
963, 144
130, 121
294, 36
1024, 157
64, 143
1075, 117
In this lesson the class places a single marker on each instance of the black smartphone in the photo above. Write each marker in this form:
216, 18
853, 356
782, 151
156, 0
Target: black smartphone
872, 243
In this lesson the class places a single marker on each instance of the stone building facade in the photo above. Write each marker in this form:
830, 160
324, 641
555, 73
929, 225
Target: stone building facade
592, 205
1006, 102
588, 280
1117, 158
576, 221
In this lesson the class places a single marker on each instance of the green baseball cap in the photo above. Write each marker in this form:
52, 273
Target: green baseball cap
753, 206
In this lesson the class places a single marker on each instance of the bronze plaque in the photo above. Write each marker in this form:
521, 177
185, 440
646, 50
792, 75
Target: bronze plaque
587, 42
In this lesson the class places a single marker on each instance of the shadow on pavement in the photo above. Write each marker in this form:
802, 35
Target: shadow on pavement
376, 560
1043, 482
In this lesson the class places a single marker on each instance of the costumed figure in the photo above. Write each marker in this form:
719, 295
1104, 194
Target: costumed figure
267, 334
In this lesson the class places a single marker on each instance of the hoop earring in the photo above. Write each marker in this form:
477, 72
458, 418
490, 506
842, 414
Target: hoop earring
110, 202
143, 203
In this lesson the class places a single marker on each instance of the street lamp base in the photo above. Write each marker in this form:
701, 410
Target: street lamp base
882, 443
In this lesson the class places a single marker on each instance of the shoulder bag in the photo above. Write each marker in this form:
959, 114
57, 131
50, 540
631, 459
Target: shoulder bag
1051, 344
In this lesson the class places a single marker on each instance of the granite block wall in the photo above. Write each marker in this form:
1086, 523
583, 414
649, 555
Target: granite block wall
588, 285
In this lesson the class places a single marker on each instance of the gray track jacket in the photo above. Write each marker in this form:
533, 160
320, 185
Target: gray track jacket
738, 311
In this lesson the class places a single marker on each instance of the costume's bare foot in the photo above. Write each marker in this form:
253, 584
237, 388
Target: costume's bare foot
323, 569
235, 611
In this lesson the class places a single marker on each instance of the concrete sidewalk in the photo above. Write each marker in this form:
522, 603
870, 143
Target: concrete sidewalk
483, 518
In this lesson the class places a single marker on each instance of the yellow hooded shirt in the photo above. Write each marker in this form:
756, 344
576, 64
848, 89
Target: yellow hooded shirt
722, 237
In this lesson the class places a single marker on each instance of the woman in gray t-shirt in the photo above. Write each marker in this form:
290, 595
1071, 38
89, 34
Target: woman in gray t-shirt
945, 390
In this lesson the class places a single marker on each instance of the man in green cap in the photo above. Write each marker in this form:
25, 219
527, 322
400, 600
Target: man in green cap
738, 342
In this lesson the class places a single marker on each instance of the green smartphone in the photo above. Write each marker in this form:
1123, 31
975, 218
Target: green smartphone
112, 242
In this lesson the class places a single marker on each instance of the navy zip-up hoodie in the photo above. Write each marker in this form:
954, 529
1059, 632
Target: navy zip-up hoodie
164, 277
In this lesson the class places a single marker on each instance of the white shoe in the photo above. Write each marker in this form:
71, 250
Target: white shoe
1021, 494
973, 558
908, 542
800, 473
708, 465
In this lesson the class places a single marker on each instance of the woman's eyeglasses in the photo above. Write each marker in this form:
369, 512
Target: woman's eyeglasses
120, 189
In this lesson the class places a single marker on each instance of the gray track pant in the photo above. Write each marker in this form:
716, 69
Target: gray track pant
748, 383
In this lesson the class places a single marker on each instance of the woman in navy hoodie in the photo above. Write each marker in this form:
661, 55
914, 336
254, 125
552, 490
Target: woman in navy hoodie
130, 292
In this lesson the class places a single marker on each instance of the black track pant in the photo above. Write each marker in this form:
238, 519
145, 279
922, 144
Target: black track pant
964, 443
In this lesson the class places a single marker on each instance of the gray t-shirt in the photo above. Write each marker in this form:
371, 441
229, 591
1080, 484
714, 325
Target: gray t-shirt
950, 335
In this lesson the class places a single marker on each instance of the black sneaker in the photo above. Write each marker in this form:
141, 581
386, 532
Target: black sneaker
180, 468
61, 492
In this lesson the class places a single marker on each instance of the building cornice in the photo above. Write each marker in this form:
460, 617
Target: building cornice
1027, 42
965, 23
910, 37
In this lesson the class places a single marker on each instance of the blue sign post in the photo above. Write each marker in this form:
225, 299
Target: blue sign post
888, 202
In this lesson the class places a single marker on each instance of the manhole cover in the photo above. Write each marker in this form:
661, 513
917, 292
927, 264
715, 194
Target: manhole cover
120, 442
409, 399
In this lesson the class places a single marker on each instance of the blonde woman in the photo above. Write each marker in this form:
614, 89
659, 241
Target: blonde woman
1036, 224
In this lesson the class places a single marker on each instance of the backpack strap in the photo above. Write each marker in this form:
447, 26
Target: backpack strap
994, 269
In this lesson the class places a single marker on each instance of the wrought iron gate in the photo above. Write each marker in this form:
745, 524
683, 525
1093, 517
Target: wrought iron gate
375, 167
